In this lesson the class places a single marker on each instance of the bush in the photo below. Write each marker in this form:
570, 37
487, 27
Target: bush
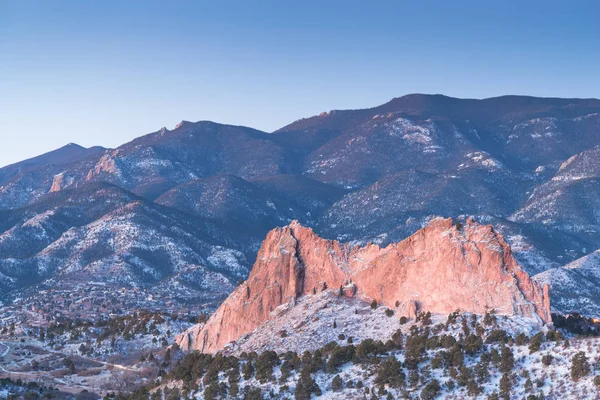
337, 384
431, 391
340, 356
505, 386
424, 317
403, 320
507, 360
521, 339
580, 366
547, 359
473, 344
554, 336
489, 318
597, 380
248, 369
528, 385
253, 394
374, 304
390, 372
397, 339
389, 313
496, 336
536, 342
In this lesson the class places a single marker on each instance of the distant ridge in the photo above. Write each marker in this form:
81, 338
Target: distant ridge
371, 175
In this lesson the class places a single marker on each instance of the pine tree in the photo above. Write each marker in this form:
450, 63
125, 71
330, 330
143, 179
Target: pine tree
507, 360
505, 386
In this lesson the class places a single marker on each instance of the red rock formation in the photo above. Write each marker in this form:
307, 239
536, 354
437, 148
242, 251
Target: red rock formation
439, 269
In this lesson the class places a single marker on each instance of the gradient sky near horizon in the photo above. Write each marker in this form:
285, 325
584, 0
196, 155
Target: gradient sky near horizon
104, 72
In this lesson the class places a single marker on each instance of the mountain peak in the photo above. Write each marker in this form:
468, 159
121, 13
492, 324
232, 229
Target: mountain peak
183, 124
440, 268
73, 145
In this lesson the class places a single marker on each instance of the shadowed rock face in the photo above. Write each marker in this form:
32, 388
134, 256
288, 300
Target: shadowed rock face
439, 268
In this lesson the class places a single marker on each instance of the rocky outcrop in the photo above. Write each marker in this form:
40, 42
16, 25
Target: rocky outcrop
57, 183
440, 268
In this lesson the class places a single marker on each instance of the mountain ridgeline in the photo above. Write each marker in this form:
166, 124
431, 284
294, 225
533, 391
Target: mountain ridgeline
187, 209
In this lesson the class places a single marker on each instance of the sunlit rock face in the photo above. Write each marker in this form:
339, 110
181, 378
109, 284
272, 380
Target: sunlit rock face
440, 268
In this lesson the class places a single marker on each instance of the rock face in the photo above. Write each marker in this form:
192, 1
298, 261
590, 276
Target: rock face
440, 268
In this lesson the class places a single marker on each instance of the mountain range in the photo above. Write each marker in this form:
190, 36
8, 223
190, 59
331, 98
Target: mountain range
185, 210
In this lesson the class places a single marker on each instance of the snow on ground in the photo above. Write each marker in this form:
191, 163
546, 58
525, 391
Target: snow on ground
309, 324
305, 332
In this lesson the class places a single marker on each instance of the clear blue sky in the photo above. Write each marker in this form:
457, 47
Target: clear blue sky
104, 72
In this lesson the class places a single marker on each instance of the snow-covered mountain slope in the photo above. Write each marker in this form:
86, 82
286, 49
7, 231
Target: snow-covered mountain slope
325, 317
65, 155
575, 286
334, 348
101, 233
378, 174
569, 202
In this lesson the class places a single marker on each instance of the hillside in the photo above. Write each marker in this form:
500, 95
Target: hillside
524, 164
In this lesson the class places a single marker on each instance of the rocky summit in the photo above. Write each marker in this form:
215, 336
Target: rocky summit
442, 267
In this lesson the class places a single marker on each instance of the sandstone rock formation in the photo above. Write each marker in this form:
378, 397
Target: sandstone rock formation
440, 268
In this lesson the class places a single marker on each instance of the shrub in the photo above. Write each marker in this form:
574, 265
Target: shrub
340, 356
403, 320
389, 312
536, 342
547, 359
521, 339
390, 372
554, 336
306, 386
374, 304
528, 385
253, 394
507, 360
248, 369
496, 336
337, 384
431, 391
452, 317
413, 377
489, 318
580, 366
425, 318
397, 339
505, 386
473, 344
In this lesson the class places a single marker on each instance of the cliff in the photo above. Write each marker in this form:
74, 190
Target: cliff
440, 268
